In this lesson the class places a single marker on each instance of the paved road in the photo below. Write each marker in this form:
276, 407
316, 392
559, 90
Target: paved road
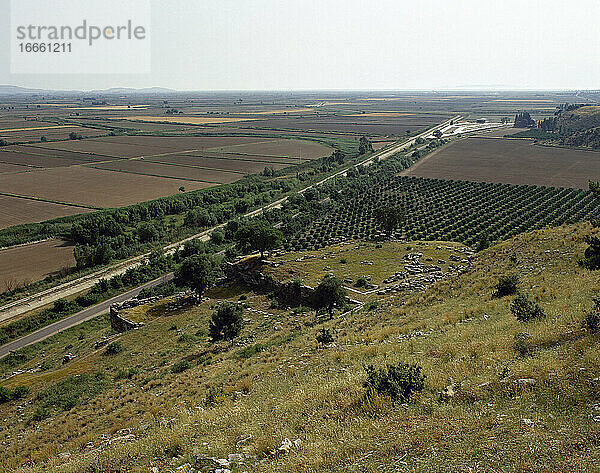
77, 318
96, 310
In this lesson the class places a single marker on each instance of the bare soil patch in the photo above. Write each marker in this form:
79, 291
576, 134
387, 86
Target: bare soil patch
510, 161
168, 170
247, 166
14, 210
27, 263
93, 187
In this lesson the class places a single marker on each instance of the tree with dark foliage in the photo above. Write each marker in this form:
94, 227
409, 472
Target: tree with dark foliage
226, 322
523, 120
364, 145
389, 217
329, 294
197, 272
258, 235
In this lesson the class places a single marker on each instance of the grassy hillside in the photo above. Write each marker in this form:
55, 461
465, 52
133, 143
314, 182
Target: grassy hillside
168, 397
580, 127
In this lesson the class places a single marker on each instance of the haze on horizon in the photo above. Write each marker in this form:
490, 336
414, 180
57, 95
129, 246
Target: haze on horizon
354, 44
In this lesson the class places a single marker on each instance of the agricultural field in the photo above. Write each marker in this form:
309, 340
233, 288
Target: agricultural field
241, 163
138, 166
16, 210
100, 173
136, 146
24, 264
8, 168
462, 211
95, 188
511, 161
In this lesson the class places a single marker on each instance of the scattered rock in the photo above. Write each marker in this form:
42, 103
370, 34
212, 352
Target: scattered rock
525, 381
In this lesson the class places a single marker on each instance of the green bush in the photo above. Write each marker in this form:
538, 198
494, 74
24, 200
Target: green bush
362, 281
324, 337
8, 395
113, 348
186, 338
507, 285
20, 391
40, 413
181, 366
215, 396
127, 374
5, 394
398, 382
524, 309
226, 322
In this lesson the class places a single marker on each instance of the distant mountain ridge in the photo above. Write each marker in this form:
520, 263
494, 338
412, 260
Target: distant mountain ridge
16, 90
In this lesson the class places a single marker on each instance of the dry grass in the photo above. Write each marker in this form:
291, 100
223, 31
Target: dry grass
294, 389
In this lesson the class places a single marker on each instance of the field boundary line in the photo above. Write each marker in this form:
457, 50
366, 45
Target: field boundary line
191, 166
157, 175
41, 199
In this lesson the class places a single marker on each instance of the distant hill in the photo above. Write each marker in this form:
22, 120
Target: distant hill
16, 90
580, 127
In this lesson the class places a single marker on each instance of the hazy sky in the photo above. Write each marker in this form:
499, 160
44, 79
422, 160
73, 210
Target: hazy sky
354, 44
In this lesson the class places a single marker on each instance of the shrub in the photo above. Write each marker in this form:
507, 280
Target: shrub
592, 318
186, 338
40, 413
5, 394
215, 396
324, 337
372, 305
181, 366
523, 345
591, 259
398, 382
226, 322
362, 281
524, 309
507, 285
20, 391
126, 374
8, 395
113, 348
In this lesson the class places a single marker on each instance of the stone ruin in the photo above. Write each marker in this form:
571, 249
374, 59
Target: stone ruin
121, 324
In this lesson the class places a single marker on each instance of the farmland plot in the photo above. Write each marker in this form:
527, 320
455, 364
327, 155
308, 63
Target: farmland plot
248, 166
14, 210
93, 187
26, 263
512, 161
135, 146
213, 176
446, 210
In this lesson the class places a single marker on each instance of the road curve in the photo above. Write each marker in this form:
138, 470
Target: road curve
77, 318
98, 309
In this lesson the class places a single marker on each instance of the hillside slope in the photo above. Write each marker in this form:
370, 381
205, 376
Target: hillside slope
170, 399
